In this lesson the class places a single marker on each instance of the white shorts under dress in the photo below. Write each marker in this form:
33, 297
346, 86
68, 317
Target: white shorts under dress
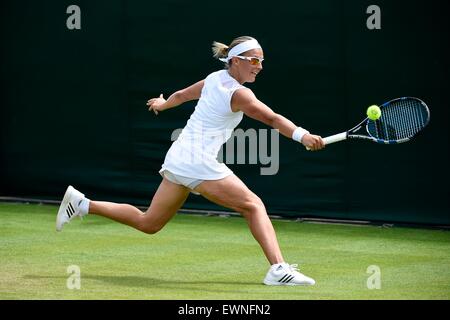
190, 183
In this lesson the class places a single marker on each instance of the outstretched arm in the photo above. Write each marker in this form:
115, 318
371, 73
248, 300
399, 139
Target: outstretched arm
244, 100
192, 92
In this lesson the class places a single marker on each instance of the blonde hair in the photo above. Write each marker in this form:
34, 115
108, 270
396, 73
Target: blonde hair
220, 50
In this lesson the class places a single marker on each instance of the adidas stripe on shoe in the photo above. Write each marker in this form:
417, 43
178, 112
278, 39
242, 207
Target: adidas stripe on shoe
69, 208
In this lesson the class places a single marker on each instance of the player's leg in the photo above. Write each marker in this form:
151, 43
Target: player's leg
165, 203
232, 193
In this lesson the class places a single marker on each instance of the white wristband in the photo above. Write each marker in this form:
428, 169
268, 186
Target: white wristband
299, 133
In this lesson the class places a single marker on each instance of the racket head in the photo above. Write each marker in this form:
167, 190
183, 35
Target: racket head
401, 119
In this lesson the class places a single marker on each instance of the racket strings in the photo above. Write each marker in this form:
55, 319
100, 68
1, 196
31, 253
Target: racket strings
401, 119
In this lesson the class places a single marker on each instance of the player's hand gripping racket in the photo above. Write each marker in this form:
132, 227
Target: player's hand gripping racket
401, 119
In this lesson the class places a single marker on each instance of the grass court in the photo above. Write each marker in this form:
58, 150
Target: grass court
210, 257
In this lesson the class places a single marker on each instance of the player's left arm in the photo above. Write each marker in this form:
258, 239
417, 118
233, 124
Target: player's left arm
192, 92
245, 100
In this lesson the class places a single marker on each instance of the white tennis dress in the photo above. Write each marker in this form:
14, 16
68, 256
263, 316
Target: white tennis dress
194, 153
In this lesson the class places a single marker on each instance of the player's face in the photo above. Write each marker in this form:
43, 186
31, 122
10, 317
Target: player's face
249, 68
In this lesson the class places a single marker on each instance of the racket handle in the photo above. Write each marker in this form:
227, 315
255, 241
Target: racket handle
334, 138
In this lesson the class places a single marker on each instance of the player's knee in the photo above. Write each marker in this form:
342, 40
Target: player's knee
252, 205
151, 229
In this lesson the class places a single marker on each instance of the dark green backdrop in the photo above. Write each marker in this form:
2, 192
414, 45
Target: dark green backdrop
73, 101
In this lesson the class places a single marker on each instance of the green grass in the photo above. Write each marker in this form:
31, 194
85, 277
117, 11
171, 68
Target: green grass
198, 257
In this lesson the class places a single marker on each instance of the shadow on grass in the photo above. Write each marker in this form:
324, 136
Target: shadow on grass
147, 282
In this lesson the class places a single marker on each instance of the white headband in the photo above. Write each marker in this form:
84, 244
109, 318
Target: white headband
240, 48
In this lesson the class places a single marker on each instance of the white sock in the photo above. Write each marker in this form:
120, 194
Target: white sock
84, 206
276, 265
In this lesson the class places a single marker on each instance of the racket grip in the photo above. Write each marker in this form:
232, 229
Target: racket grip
334, 138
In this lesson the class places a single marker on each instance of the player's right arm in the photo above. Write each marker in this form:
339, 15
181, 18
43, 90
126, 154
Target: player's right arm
244, 100
192, 92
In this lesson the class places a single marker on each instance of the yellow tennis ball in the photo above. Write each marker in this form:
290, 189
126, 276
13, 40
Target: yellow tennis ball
374, 112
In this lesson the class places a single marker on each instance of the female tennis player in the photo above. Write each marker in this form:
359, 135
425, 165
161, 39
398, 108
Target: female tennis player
191, 163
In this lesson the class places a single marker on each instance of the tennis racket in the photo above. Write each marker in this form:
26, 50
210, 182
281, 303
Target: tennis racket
401, 119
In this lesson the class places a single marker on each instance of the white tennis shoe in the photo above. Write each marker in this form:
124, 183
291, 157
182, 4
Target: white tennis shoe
69, 208
284, 274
